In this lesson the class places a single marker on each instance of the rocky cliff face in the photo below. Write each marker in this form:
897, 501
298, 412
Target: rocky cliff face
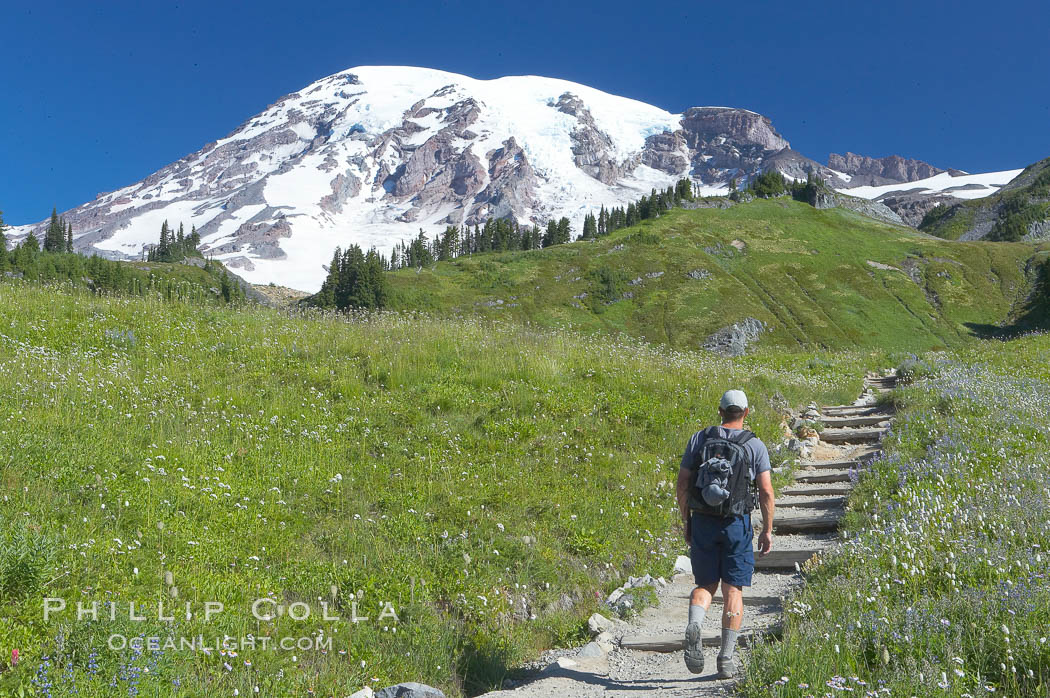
724, 143
866, 171
912, 208
795, 165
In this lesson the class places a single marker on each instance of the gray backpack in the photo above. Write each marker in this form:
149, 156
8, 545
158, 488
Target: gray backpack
722, 475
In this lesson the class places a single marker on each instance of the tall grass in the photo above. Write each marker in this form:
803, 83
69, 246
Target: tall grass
185, 453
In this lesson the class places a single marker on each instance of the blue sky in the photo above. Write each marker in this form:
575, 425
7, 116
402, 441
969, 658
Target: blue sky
97, 95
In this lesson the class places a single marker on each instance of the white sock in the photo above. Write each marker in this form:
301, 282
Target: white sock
729, 639
696, 614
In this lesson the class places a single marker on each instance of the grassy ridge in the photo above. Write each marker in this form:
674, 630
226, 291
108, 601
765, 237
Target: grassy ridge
941, 588
803, 272
200, 282
1005, 215
389, 458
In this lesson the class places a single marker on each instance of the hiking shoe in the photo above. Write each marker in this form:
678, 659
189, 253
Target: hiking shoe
726, 668
694, 650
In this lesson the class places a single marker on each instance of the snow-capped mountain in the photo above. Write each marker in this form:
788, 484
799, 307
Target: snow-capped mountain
372, 154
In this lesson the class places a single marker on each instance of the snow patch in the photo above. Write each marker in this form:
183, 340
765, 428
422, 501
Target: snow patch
990, 182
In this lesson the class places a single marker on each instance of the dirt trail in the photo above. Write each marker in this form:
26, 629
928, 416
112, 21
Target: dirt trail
647, 654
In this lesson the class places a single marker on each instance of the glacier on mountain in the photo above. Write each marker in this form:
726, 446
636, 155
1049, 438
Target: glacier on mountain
371, 155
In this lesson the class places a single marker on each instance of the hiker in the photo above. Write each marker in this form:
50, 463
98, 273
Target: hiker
721, 469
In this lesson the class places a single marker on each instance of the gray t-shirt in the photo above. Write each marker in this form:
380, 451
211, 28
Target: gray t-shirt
755, 448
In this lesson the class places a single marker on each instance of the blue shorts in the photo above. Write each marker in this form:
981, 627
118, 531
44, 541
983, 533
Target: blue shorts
722, 549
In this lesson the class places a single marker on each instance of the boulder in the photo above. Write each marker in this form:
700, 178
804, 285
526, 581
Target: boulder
409, 690
591, 649
599, 624
735, 339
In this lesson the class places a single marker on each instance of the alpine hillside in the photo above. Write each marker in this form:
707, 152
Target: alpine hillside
1019, 211
371, 155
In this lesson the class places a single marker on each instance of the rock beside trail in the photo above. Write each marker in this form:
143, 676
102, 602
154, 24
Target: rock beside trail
621, 600
599, 624
409, 690
591, 649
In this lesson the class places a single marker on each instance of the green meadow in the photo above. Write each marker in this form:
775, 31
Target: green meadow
439, 492
487, 480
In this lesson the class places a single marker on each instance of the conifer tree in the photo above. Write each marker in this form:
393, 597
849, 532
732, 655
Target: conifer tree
69, 238
55, 234
590, 227
632, 214
225, 287
30, 244
326, 296
564, 232
551, 235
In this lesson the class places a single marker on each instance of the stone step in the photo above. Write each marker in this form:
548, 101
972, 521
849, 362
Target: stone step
816, 492
865, 453
814, 503
852, 436
675, 643
851, 410
823, 476
867, 420
806, 524
782, 560
827, 465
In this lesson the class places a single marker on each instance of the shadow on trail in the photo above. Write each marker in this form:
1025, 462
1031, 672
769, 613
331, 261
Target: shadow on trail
586, 680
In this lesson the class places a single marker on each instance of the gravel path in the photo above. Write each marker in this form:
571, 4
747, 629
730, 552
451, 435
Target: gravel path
610, 667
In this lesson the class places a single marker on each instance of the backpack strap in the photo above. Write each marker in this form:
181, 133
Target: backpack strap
743, 437
709, 433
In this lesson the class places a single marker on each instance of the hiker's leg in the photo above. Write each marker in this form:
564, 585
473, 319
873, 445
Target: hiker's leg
740, 567
702, 596
705, 556
732, 606
732, 616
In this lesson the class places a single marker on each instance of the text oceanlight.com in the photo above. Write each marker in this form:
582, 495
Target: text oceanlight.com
226, 643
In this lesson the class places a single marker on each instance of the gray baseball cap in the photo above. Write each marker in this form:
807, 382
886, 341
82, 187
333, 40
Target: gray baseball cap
733, 398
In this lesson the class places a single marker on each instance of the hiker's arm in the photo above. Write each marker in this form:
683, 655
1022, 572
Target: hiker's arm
685, 477
766, 501
682, 493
